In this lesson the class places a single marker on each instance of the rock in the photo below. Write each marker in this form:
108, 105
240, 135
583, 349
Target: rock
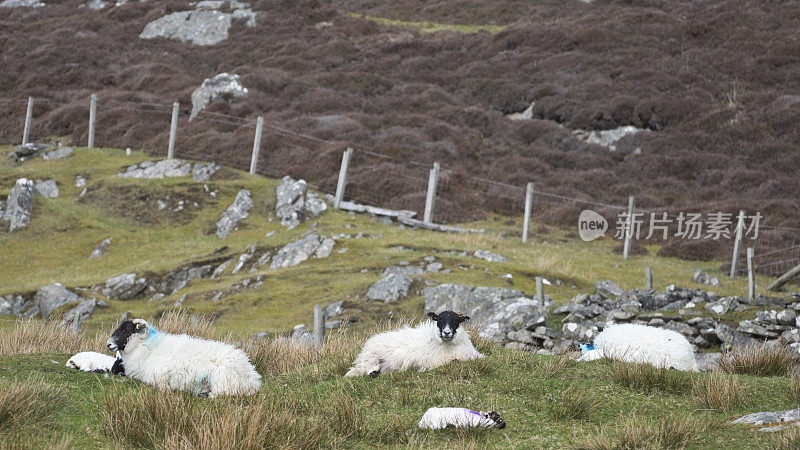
791, 336
19, 306
494, 311
244, 257
489, 256
404, 270
204, 172
721, 306
21, 4
787, 317
77, 315
224, 85
579, 332
764, 418
524, 115
764, 301
607, 289
61, 152
198, 27
334, 309
180, 277
166, 168
607, 138
728, 337
51, 297
753, 329
325, 248
296, 252
80, 181
19, 204
46, 188
235, 213
682, 328
301, 334
100, 249
767, 317
28, 151
434, 267
124, 287
294, 204
390, 289
707, 362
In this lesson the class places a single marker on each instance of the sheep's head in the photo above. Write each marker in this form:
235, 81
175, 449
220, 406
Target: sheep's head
128, 332
448, 323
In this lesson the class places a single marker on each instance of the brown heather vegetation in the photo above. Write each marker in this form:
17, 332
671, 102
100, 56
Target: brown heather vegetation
715, 81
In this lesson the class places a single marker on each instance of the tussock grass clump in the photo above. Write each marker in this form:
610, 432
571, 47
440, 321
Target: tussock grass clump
34, 336
573, 403
27, 402
788, 439
761, 360
719, 391
793, 388
649, 378
672, 431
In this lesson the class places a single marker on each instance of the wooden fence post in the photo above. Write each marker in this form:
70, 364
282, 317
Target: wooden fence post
628, 229
526, 221
751, 281
92, 118
319, 327
28, 117
430, 199
342, 182
173, 131
648, 278
783, 279
256, 145
737, 242
540, 291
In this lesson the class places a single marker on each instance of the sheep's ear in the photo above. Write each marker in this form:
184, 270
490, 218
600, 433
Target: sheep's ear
463, 318
433, 315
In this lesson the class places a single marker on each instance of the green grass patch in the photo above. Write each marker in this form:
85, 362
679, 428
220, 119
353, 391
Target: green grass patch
432, 27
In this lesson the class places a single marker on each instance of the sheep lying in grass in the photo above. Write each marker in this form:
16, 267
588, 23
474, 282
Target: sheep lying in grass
430, 344
181, 362
96, 362
438, 418
643, 344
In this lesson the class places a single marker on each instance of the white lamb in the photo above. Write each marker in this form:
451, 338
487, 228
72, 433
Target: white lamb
181, 362
92, 362
428, 345
438, 418
643, 344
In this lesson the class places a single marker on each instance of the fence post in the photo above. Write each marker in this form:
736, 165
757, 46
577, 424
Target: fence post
540, 291
737, 242
430, 199
28, 118
751, 281
256, 145
526, 222
92, 117
648, 278
628, 229
342, 183
319, 327
173, 131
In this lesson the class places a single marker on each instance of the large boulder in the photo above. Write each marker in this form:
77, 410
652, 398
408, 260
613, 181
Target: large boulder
165, 168
390, 288
495, 312
124, 287
51, 297
77, 315
198, 27
18, 306
489, 256
608, 289
235, 213
28, 151
19, 204
224, 85
294, 202
61, 152
21, 4
204, 172
298, 251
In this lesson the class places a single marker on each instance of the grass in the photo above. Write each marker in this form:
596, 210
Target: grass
719, 391
672, 431
644, 377
762, 360
432, 27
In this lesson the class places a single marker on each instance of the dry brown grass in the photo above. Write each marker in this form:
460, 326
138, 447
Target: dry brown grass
672, 431
793, 388
761, 360
573, 403
649, 378
719, 391
33, 336
788, 439
179, 321
27, 402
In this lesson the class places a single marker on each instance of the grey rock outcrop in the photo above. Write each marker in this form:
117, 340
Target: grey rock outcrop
74, 318
204, 172
51, 297
46, 188
390, 288
235, 213
124, 287
224, 85
703, 278
607, 138
21, 4
298, 251
61, 152
295, 203
19, 204
18, 306
165, 168
28, 151
607, 289
203, 26
769, 417
489, 256
101, 248
180, 277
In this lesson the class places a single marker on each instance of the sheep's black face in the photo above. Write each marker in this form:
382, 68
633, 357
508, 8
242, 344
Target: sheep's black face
119, 339
448, 323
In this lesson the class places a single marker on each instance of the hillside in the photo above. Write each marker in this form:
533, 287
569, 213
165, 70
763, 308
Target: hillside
711, 82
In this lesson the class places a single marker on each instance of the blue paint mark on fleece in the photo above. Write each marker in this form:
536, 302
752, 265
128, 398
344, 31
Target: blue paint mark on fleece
154, 336
586, 347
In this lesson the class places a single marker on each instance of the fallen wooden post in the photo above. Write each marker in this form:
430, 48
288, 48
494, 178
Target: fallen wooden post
783, 279
357, 207
433, 226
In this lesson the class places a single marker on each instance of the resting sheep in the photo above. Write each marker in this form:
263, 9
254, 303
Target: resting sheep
96, 362
438, 418
430, 344
181, 362
643, 344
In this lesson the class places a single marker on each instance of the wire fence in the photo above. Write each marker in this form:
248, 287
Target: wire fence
777, 249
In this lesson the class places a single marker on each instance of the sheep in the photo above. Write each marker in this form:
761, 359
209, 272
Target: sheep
96, 362
643, 344
180, 362
438, 418
430, 344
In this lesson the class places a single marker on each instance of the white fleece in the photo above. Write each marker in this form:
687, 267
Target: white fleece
438, 418
185, 363
643, 344
91, 362
419, 348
